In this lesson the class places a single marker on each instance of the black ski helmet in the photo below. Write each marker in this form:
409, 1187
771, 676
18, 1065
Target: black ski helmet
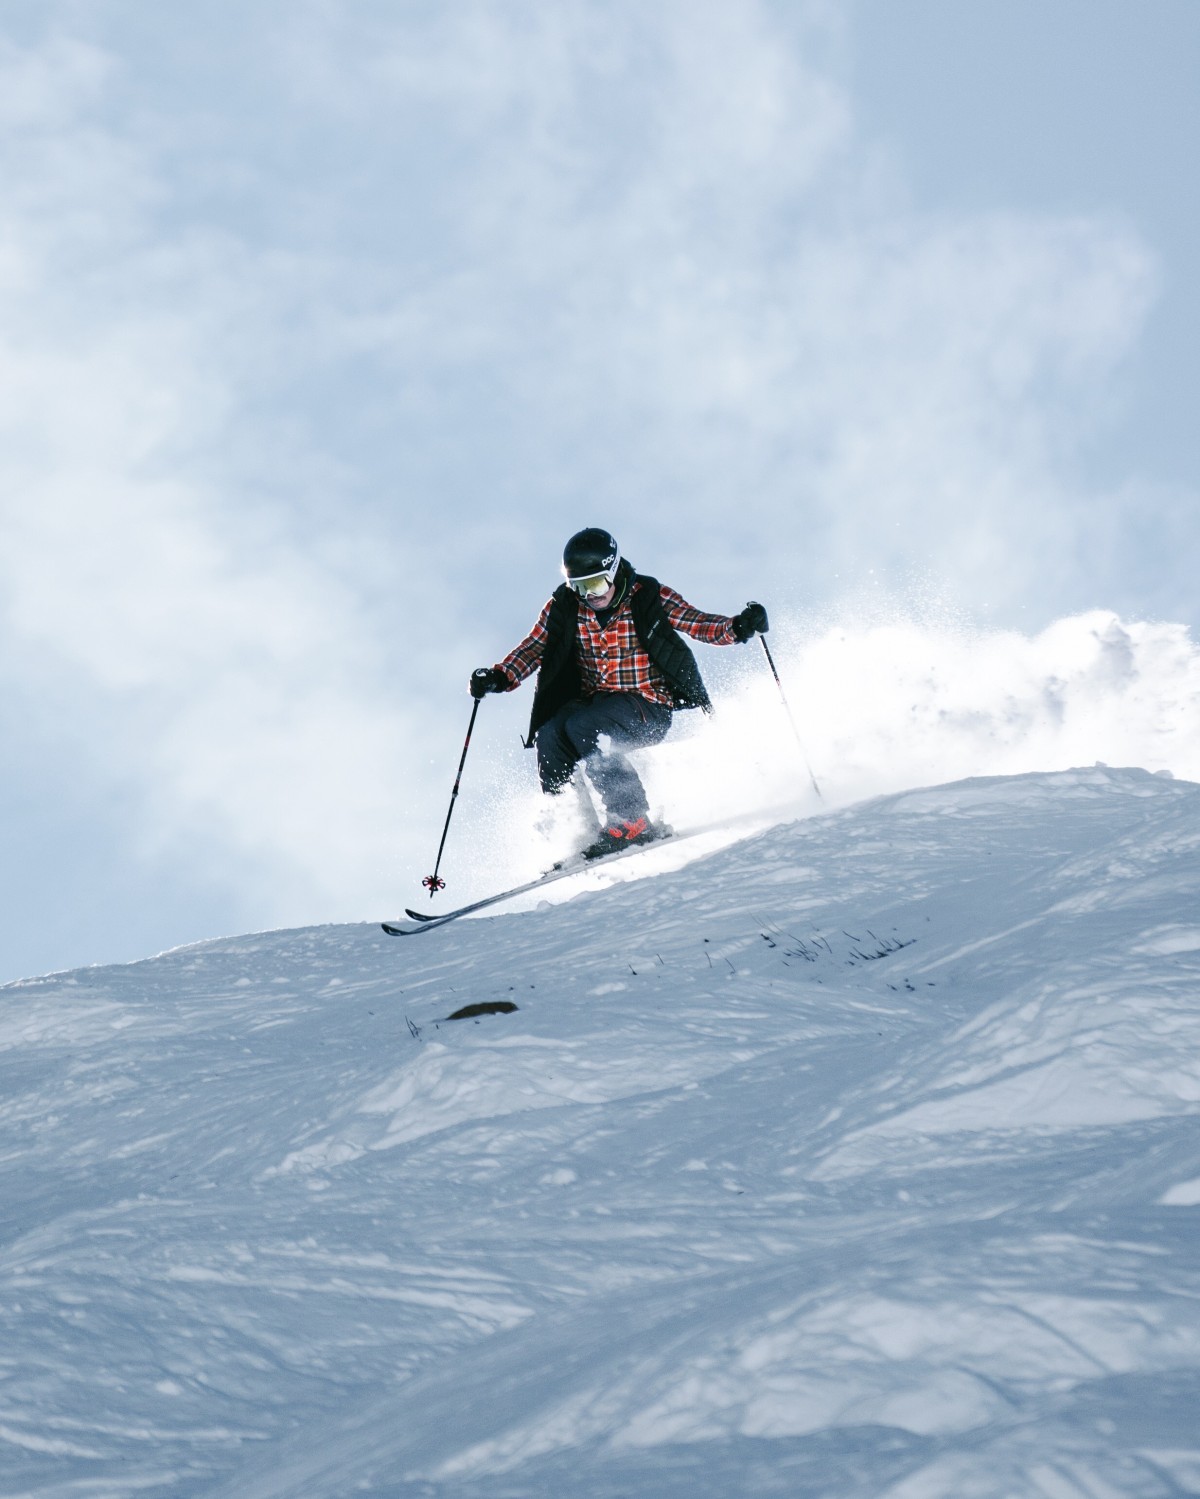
591, 553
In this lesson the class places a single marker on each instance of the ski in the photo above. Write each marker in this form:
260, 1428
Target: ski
422, 921
426, 921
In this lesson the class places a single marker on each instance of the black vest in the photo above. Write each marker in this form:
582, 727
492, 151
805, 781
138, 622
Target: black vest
558, 676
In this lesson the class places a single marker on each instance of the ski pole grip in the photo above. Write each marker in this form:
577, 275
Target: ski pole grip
757, 615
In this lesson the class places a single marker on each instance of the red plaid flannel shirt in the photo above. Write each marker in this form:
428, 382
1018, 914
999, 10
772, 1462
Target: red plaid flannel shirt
612, 659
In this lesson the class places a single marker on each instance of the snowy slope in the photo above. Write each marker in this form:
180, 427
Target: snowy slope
860, 1158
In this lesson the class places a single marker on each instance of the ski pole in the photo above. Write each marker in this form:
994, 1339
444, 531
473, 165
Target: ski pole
431, 881
791, 720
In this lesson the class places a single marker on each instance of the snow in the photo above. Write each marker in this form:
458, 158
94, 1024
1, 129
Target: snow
886, 697
857, 1157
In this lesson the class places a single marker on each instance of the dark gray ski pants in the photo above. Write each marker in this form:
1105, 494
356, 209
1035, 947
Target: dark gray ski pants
627, 721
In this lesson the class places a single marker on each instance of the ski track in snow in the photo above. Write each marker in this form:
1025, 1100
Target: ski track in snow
857, 1158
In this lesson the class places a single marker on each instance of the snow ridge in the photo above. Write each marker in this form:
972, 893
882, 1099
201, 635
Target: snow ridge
857, 1158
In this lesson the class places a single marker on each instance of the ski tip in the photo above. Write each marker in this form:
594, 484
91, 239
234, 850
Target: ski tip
413, 928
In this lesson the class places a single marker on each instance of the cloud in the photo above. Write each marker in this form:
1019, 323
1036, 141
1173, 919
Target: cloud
663, 271
324, 325
205, 649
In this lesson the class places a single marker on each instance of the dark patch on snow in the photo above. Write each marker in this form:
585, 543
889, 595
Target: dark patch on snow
484, 1007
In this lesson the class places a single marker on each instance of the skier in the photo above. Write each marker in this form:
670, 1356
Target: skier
610, 662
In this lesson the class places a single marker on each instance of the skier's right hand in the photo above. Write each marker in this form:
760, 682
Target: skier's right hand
487, 679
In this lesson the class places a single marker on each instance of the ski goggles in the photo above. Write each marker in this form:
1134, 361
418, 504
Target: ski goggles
593, 586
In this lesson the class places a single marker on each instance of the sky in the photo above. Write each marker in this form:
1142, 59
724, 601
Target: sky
322, 327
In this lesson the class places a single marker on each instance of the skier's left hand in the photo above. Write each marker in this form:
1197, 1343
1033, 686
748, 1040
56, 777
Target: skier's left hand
485, 679
750, 622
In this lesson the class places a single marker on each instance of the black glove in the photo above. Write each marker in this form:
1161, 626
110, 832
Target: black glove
488, 679
751, 621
